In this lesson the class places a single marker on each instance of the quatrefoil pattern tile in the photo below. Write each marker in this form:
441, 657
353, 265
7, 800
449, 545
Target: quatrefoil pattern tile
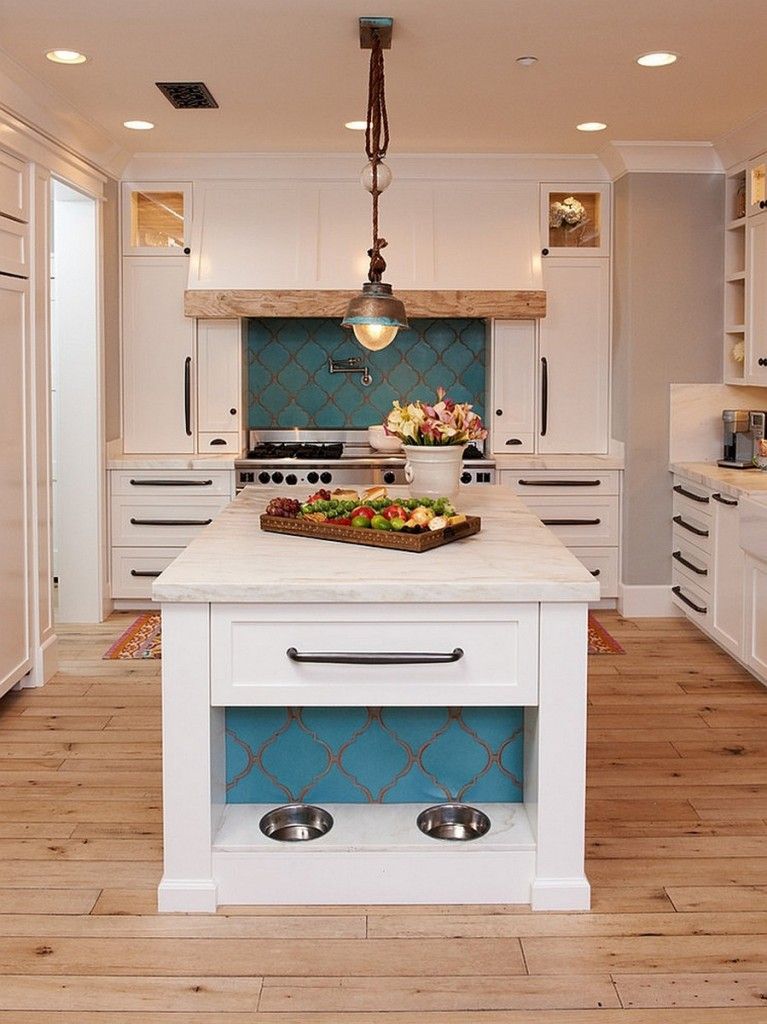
374, 755
290, 386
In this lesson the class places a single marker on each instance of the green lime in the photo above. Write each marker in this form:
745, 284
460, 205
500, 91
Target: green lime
380, 523
396, 523
361, 522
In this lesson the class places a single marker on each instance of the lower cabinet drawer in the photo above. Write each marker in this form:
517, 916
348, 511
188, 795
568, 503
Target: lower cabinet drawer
602, 563
563, 482
229, 442
448, 656
172, 483
135, 569
693, 601
149, 522
691, 562
692, 530
579, 522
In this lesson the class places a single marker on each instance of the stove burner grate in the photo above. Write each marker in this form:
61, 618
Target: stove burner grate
297, 450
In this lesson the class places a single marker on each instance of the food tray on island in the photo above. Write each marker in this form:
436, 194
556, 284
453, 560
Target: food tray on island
400, 524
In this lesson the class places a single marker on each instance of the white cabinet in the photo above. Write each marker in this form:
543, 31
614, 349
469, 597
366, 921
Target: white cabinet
15, 650
756, 184
156, 218
756, 617
575, 222
219, 384
14, 247
511, 386
728, 561
575, 356
755, 365
14, 188
158, 357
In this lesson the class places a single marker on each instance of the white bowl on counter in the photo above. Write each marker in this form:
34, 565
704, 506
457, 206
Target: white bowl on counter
381, 441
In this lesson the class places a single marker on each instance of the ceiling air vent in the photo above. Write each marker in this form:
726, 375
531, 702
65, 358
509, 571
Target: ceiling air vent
187, 95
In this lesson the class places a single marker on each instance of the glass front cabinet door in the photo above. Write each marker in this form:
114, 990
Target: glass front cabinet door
756, 184
575, 221
156, 218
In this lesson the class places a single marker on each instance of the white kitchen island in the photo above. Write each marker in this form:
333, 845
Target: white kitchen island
512, 599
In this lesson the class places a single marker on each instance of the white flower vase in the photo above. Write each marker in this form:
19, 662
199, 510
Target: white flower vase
434, 471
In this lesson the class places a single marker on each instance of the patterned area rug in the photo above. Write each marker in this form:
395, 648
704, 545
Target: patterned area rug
142, 639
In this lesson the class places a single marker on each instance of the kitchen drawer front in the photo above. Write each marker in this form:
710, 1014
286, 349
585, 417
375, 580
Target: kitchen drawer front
134, 570
14, 191
602, 563
229, 442
551, 483
164, 483
150, 522
691, 561
691, 528
250, 664
694, 602
691, 499
579, 522
14, 248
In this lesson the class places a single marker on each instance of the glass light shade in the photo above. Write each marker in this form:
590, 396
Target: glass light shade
384, 177
374, 336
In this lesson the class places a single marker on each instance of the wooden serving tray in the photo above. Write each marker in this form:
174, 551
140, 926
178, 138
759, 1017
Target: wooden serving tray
401, 541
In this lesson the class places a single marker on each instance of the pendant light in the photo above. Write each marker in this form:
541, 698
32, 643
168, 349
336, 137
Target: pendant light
375, 314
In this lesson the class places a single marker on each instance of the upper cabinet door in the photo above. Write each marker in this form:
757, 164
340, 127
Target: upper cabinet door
575, 222
756, 300
511, 392
756, 184
14, 188
156, 218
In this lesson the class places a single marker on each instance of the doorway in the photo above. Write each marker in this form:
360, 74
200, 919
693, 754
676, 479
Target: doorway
75, 406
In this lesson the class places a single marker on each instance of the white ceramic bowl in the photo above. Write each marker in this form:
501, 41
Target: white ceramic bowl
381, 441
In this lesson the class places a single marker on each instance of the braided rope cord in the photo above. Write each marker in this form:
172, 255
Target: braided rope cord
376, 146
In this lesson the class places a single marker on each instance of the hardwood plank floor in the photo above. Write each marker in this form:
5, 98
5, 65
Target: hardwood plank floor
677, 857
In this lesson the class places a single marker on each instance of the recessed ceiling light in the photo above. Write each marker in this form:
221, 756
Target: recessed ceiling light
657, 59
66, 56
138, 126
527, 62
591, 126
356, 126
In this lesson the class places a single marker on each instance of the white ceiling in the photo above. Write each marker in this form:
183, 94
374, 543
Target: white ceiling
288, 73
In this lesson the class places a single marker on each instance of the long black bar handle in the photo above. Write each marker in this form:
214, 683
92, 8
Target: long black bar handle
188, 395
559, 483
544, 395
730, 502
688, 526
702, 498
170, 522
145, 572
690, 565
571, 522
701, 609
374, 658
171, 483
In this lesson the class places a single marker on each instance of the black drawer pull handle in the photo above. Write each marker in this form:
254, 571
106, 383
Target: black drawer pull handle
688, 526
571, 522
170, 522
695, 607
218, 440
559, 483
690, 494
690, 565
514, 440
145, 572
374, 658
595, 572
171, 483
730, 502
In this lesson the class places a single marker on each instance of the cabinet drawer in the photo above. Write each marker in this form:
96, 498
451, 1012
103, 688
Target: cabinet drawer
579, 522
692, 499
150, 522
14, 194
251, 663
693, 601
135, 569
602, 563
690, 528
228, 442
568, 484
14, 255
172, 482
692, 562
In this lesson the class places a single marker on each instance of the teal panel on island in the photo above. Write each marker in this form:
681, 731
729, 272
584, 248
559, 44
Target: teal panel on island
374, 755
290, 385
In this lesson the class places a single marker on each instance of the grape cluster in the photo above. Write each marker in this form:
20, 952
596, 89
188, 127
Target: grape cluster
284, 508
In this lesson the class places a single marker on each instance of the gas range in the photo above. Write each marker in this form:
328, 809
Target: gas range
293, 458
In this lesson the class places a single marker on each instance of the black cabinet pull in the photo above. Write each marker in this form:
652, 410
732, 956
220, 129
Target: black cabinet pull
374, 658
691, 494
544, 252
690, 565
187, 250
170, 522
145, 572
514, 440
688, 526
595, 572
188, 396
695, 607
730, 502
218, 440
559, 483
544, 395
571, 522
171, 483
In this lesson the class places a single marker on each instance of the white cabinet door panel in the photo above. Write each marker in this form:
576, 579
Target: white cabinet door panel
756, 617
14, 247
756, 299
727, 604
14, 191
219, 377
511, 406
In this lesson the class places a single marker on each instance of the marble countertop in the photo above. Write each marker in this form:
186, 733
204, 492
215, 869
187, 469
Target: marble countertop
561, 462
514, 558
734, 482
213, 461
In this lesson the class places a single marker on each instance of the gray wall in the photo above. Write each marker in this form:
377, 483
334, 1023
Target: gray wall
111, 280
667, 328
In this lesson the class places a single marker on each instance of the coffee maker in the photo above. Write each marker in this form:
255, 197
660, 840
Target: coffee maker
741, 428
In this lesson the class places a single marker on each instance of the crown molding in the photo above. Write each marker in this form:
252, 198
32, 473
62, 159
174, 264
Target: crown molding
621, 158
744, 141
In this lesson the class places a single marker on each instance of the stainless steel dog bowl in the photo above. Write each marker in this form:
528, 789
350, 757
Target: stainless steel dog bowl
457, 822
296, 823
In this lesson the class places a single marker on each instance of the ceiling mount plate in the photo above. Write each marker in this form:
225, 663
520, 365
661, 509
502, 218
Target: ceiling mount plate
383, 26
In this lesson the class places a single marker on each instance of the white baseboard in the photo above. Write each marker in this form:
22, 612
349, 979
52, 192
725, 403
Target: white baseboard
560, 894
194, 895
646, 602
46, 662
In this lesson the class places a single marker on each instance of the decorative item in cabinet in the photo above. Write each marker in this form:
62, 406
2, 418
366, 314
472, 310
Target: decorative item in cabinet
756, 182
156, 218
573, 220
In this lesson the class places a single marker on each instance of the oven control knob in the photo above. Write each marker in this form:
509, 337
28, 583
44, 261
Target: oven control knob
291, 479
264, 478
312, 477
465, 478
389, 477
326, 477
277, 478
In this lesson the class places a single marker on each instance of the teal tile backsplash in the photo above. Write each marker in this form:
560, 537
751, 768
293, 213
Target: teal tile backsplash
374, 755
289, 384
